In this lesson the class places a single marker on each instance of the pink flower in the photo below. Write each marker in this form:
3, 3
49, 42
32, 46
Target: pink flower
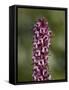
41, 43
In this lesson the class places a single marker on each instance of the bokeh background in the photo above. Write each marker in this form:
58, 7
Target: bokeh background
26, 19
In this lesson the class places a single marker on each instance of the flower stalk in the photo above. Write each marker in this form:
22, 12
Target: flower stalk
41, 42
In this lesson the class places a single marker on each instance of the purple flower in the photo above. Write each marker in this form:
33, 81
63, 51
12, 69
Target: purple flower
41, 43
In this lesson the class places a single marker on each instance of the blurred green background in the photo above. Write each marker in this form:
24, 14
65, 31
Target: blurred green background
26, 19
